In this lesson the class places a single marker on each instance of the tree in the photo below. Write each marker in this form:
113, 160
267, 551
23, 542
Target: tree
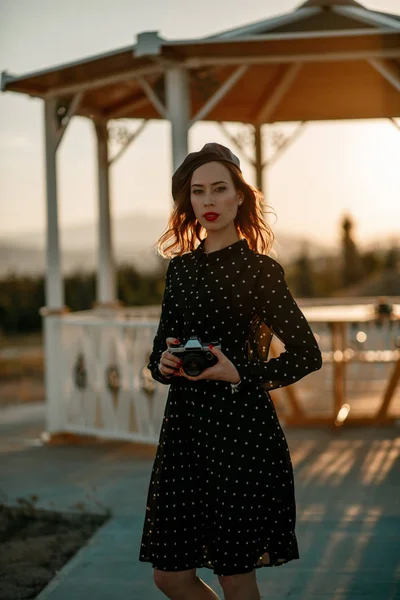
304, 277
392, 258
352, 267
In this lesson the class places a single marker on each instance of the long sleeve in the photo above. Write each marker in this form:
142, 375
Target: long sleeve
167, 327
282, 316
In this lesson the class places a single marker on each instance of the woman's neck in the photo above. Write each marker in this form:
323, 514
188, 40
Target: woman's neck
217, 242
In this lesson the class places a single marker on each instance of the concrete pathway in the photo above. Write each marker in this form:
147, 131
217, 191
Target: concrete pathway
348, 524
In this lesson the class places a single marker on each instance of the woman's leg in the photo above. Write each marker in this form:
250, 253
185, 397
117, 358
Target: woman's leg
183, 585
240, 587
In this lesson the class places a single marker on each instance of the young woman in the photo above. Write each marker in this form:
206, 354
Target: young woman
221, 493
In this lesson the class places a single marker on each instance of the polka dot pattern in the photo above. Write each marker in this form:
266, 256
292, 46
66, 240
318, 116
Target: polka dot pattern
221, 492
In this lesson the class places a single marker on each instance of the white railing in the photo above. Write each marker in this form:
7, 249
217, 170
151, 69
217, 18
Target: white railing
98, 383
107, 389
357, 367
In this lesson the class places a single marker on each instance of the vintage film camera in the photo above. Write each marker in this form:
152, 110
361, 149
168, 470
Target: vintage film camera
196, 357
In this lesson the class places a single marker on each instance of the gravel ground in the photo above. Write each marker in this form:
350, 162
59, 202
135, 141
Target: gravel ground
35, 544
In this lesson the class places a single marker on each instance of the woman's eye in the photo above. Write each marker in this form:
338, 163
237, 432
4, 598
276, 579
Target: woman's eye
197, 192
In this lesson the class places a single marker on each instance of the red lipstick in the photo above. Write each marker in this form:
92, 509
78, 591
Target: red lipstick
211, 216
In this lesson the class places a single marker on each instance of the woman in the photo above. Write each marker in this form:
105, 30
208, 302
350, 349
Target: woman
221, 493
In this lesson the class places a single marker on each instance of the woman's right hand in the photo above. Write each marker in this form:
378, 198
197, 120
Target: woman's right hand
169, 364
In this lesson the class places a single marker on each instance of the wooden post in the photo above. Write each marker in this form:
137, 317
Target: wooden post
54, 309
178, 107
106, 280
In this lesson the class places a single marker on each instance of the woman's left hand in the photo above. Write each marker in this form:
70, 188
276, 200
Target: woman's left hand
224, 370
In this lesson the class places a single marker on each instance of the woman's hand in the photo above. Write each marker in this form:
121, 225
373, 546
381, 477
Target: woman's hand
169, 364
224, 370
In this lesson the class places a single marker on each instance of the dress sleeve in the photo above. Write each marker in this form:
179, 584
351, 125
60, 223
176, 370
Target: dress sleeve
166, 328
279, 311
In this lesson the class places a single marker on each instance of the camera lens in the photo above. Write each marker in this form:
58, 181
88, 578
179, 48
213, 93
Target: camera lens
193, 363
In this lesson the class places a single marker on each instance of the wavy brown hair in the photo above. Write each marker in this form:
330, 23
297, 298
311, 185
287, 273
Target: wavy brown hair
184, 229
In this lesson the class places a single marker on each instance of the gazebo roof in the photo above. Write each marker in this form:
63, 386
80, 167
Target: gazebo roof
331, 3
319, 15
328, 59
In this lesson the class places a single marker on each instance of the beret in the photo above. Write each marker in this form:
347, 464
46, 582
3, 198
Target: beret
209, 153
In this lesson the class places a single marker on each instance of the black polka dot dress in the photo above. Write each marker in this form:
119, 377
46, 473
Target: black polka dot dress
221, 492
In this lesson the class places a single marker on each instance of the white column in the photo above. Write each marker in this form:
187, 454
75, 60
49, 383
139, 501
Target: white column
178, 108
106, 286
54, 309
54, 286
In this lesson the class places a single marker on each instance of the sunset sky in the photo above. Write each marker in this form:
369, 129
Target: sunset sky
331, 169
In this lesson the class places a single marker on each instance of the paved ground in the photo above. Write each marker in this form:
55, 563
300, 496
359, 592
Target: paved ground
347, 489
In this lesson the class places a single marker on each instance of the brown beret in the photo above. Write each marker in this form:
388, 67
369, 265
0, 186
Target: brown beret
209, 153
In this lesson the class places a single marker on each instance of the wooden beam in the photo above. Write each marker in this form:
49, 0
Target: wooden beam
236, 142
339, 375
395, 123
350, 55
284, 85
365, 16
219, 94
288, 141
388, 71
266, 25
102, 81
389, 392
360, 421
289, 391
152, 96
128, 142
71, 110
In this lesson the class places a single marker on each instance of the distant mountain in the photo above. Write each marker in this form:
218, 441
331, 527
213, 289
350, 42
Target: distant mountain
135, 230
133, 235
21, 260
31, 261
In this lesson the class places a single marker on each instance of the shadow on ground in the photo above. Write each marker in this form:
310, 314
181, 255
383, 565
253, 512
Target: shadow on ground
348, 513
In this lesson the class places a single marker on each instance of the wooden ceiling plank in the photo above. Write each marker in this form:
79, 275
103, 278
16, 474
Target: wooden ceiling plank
127, 108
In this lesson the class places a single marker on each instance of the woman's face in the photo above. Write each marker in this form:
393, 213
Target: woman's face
212, 191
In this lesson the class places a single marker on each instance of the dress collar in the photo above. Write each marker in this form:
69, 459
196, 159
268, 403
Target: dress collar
230, 252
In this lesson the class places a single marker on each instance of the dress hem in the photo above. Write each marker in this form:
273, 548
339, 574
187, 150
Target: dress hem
208, 566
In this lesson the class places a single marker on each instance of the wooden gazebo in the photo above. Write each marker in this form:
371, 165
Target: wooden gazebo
326, 60
329, 59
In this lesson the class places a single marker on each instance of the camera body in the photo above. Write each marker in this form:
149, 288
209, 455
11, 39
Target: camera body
196, 357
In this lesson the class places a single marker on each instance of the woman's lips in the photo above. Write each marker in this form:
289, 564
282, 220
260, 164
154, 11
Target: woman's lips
211, 216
